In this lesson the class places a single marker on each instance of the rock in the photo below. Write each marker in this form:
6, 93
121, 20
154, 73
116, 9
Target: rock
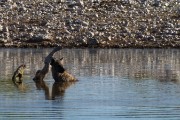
36, 39
3, 40
1, 28
92, 42
92, 21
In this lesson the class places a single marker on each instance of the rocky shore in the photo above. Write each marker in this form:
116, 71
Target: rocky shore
90, 23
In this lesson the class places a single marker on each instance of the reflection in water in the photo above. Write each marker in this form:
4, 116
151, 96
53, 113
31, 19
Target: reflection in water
41, 85
58, 89
160, 64
113, 84
21, 86
157, 64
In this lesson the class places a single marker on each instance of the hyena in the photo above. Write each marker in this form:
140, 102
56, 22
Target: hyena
59, 74
18, 74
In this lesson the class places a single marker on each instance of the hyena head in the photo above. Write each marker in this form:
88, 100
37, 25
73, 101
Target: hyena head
57, 65
59, 73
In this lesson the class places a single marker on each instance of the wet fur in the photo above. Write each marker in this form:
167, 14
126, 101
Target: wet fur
59, 73
18, 74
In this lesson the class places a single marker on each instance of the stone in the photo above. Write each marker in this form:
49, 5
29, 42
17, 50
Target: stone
68, 20
92, 42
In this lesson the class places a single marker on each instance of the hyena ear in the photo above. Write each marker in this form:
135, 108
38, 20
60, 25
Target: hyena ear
52, 61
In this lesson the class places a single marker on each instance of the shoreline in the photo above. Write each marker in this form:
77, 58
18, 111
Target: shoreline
163, 46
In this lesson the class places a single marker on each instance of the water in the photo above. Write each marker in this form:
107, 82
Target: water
138, 84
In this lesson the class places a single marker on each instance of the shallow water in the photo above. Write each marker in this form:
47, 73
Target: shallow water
113, 84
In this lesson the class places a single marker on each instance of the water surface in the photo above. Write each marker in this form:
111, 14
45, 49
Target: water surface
113, 84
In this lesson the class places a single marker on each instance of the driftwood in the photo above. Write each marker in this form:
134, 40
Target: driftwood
62, 80
59, 87
40, 74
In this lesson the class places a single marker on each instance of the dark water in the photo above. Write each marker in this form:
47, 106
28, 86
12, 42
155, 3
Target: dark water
113, 84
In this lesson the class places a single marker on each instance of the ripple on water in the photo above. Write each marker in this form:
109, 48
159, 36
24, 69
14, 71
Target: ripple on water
113, 84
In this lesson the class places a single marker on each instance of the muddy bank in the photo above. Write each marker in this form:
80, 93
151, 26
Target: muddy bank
91, 23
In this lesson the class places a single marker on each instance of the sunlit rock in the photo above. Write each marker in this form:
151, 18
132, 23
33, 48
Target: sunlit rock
1, 28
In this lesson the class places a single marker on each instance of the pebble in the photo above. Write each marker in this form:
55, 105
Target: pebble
89, 23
